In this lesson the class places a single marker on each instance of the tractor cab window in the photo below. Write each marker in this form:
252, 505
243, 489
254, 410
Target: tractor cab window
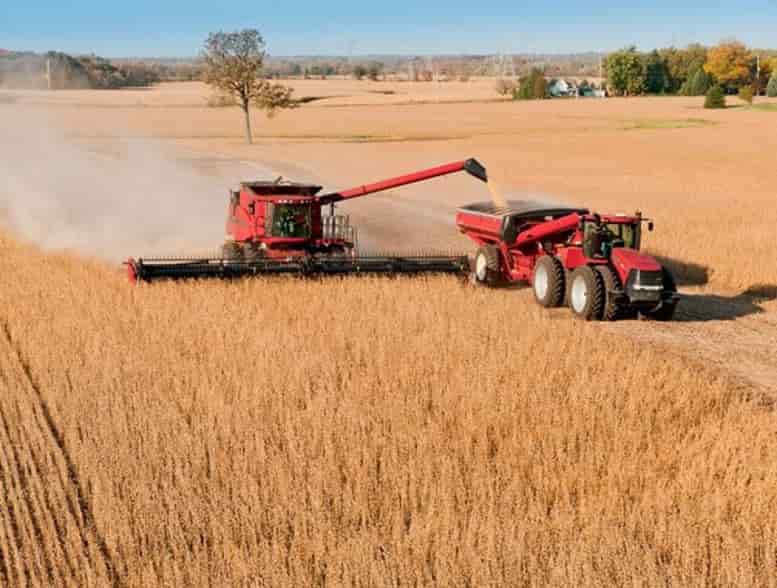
600, 239
291, 221
625, 235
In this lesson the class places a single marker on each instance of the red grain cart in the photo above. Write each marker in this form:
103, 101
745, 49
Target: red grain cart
589, 261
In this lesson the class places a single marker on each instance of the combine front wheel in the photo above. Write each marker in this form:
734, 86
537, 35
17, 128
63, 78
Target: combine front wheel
548, 282
586, 293
487, 266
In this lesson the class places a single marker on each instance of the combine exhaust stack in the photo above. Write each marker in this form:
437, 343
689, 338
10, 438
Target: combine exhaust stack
280, 228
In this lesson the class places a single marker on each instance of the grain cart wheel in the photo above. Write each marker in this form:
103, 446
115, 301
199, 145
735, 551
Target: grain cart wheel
612, 309
665, 312
548, 282
487, 270
586, 293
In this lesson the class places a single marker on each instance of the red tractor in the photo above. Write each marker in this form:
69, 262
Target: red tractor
590, 261
281, 227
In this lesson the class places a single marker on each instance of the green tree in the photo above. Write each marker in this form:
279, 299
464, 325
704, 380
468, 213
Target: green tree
359, 72
681, 64
656, 74
771, 89
234, 64
716, 98
626, 73
698, 84
532, 87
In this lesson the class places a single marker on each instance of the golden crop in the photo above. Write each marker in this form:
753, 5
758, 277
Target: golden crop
360, 431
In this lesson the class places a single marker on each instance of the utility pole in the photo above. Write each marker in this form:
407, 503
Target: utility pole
48, 73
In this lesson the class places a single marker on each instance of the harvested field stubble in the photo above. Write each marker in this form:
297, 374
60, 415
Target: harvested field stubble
367, 431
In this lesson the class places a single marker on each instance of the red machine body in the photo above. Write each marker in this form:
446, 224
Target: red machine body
279, 219
560, 249
283, 227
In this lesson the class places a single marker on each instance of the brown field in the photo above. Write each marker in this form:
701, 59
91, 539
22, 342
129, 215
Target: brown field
380, 431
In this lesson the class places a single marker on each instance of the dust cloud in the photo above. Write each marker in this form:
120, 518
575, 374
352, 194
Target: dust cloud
111, 200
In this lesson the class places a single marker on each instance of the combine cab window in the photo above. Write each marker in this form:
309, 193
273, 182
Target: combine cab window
291, 221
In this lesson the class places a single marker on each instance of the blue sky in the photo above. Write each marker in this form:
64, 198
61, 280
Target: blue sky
177, 27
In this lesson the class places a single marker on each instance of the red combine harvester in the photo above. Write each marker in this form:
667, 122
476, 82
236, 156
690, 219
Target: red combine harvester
280, 227
590, 261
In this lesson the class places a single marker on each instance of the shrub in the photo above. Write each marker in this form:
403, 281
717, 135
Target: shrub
771, 88
746, 94
533, 87
715, 98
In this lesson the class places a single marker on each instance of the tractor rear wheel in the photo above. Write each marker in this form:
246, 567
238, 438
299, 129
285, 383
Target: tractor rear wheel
666, 311
548, 282
487, 266
586, 293
612, 309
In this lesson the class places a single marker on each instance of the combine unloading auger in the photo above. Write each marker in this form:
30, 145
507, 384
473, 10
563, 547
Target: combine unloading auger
280, 228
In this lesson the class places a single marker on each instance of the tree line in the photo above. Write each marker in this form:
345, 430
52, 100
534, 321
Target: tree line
692, 71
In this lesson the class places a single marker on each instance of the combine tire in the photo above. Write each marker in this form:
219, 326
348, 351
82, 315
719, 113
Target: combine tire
666, 311
612, 309
548, 282
487, 266
231, 251
586, 293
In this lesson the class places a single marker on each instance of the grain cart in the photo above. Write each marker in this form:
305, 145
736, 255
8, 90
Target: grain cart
281, 228
590, 261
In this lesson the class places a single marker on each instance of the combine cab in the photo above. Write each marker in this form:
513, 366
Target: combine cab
591, 262
283, 227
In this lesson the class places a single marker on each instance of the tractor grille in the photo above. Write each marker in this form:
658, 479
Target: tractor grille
644, 286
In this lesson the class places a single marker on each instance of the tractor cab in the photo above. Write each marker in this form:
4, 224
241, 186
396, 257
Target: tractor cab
603, 234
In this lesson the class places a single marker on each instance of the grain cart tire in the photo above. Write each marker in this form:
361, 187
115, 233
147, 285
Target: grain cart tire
612, 309
586, 294
487, 266
548, 282
666, 311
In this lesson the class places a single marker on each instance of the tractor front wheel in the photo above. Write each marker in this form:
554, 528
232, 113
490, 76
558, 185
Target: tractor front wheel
612, 309
548, 282
487, 266
666, 311
586, 293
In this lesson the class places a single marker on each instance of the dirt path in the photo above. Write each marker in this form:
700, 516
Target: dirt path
48, 534
733, 333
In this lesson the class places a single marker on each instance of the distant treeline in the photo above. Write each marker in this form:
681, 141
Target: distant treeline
61, 71
691, 71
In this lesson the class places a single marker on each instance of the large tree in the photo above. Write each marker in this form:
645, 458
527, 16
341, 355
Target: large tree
234, 64
682, 64
626, 73
730, 63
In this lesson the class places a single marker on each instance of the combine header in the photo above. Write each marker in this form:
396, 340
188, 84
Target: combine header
280, 228
590, 261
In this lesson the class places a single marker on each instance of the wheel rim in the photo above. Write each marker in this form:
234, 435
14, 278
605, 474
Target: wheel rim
481, 267
541, 282
579, 294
